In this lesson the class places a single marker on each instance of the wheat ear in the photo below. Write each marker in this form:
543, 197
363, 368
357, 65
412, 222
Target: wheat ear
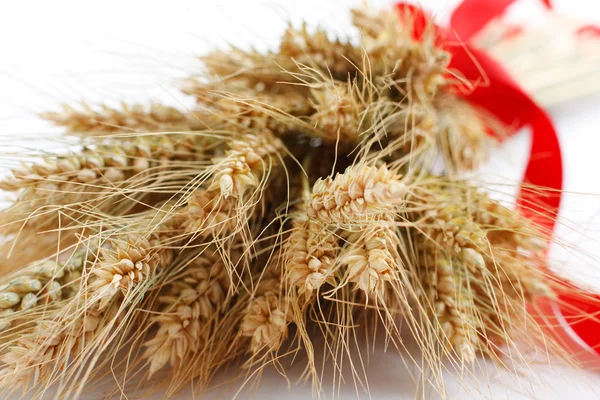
124, 262
309, 254
476, 275
189, 304
405, 66
127, 119
39, 284
359, 194
268, 315
219, 208
372, 258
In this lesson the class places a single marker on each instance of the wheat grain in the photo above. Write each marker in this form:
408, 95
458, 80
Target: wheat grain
113, 176
250, 68
297, 48
230, 105
218, 209
208, 213
244, 164
266, 323
487, 272
111, 162
338, 113
461, 134
53, 343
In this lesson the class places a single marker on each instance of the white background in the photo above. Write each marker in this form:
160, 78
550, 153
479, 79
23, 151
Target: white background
60, 51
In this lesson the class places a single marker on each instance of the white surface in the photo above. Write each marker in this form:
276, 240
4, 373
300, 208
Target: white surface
61, 51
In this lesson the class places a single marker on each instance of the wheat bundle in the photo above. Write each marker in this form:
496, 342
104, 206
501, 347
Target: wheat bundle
296, 203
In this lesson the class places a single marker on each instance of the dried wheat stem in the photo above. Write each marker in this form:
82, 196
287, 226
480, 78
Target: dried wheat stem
359, 194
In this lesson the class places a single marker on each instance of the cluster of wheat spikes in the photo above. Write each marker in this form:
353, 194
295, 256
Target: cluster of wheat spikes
296, 200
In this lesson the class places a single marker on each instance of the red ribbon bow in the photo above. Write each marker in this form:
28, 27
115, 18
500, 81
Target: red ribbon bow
571, 318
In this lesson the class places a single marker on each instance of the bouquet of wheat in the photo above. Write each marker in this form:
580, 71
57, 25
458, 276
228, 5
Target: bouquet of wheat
297, 204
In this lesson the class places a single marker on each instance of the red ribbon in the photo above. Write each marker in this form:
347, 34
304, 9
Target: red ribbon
592, 31
470, 16
571, 318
